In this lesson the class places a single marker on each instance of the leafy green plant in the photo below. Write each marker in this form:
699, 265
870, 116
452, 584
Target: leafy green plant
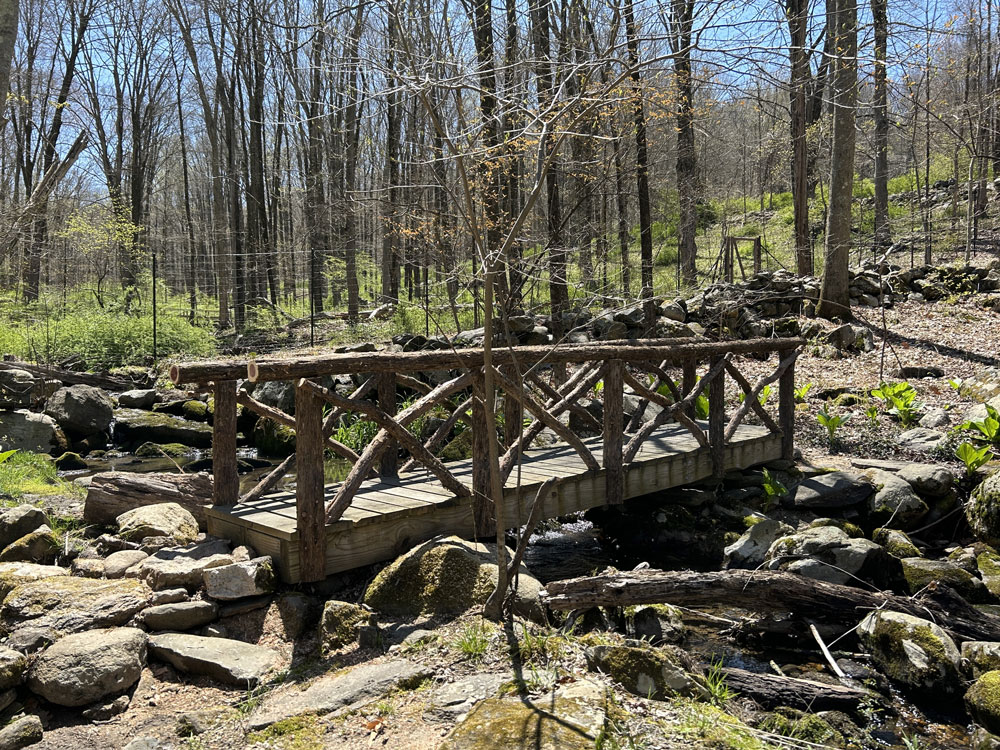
831, 422
762, 397
7, 454
901, 400
973, 457
802, 392
872, 413
988, 428
357, 433
774, 490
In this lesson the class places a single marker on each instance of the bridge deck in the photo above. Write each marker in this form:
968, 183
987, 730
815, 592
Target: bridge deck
387, 517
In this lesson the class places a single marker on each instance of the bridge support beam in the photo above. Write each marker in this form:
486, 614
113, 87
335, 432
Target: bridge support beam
614, 429
226, 480
309, 511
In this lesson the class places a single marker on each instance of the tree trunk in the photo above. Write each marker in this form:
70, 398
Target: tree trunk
880, 21
797, 13
687, 160
835, 297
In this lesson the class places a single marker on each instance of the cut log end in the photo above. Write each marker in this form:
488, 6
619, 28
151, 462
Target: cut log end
175, 374
252, 371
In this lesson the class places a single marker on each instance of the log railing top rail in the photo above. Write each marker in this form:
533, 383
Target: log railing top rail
663, 350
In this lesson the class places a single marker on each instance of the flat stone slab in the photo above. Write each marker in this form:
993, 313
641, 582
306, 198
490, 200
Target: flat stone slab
228, 661
838, 489
455, 699
329, 693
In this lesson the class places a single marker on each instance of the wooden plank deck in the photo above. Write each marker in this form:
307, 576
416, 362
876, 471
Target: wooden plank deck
388, 517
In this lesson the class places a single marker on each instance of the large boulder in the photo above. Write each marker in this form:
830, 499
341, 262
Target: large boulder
53, 607
919, 572
133, 427
750, 549
14, 574
983, 701
655, 673
141, 398
162, 519
40, 546
87, 667
983, 510
446, 575
21, 733
894, 504
175, 567
928, 480
228, 661
180, 615
20, 389
25, 430
241, 579
827, 553
836, 489
915, 653
981, 656
81, 409
20, 520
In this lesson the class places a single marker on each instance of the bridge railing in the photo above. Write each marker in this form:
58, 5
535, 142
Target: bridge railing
541, 383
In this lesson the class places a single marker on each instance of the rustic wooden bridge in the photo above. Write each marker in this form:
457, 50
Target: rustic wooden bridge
383, 506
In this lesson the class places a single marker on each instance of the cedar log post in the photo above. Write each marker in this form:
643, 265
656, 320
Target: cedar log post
689, 379
482, 508
310, 514
717, 421
513, 412
614, 474
389, 462
786, 412
226, 480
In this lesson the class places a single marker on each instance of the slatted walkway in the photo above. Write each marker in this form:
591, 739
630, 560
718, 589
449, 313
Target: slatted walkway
387, 517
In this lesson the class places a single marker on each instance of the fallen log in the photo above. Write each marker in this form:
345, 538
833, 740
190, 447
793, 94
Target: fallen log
771, 691
807, 600
69, 377
111, 493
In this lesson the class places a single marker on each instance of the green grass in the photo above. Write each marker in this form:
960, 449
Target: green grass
27, 473
474, 640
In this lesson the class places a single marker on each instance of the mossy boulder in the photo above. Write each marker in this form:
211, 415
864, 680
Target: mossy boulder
918, 572
70, 461
914, 653
655, 623
133, 427
988, 564
159, 450
39, 546
982, 511
341, 623
657, 673
446, 576
162, 519
983, 701
896, 543
13, 665
460, 447
272, 439
195, 410
750, 549
828, 553
894, 503
572, 718
981, 656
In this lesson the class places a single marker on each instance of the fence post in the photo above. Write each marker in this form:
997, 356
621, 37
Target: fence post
756, 255
786, 411
310, 515
689, 378
388, 464
717, 421
614, 472
225, 479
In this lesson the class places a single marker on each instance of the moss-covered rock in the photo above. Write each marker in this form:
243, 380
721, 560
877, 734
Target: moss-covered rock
988, 564
341, 622
572, 718
982, 511
894, 503
915, 653
70, 461
72, 604
162, 519
828, 553
133, 427
38, 546
655, 623
446, 575
983, 701
14, 574
458, 448
13, 665
272, 439
656, 673
896, 543
195, 410
159, 450
981, 656
918, 572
